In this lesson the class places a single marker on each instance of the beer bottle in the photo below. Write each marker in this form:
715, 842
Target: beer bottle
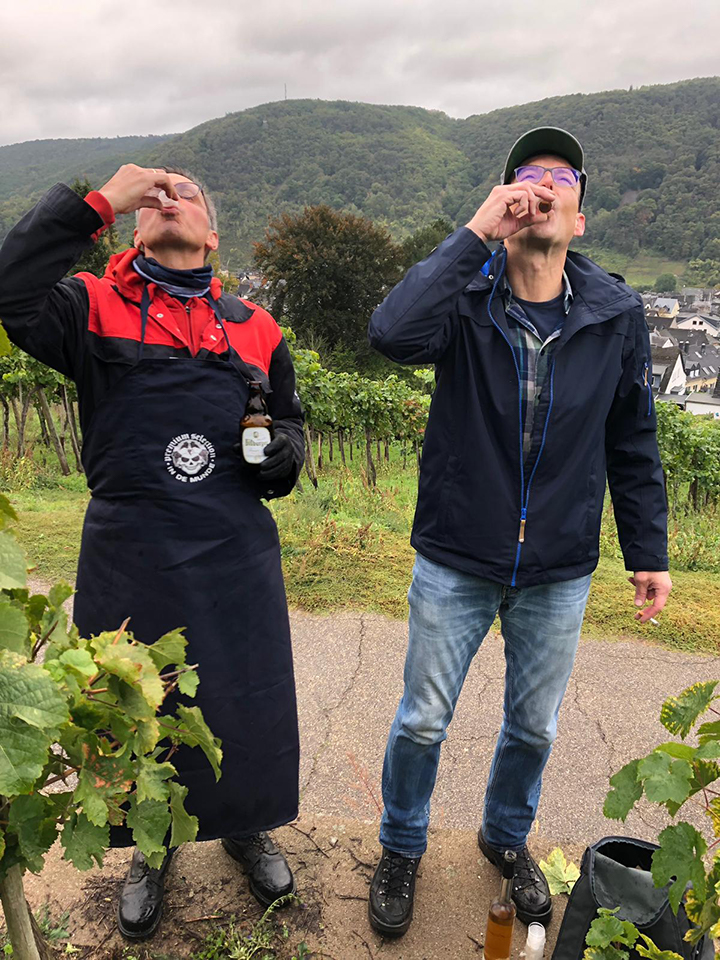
501, 917
256, 430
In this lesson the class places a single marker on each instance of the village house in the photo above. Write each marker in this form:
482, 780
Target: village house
666, 307
696, 321
668, 372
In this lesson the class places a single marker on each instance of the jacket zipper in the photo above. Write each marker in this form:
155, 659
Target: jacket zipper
524, 509
524, 493
646, 371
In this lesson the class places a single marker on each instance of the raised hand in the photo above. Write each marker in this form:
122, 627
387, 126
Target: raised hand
128, 189
510, 208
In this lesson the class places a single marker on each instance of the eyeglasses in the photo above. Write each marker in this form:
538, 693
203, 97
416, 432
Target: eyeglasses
186, 189
562, 176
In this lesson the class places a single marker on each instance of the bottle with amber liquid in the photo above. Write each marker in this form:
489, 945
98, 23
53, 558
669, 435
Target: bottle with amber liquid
501, 917
256, 429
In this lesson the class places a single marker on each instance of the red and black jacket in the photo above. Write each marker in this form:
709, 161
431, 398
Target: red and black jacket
88, 328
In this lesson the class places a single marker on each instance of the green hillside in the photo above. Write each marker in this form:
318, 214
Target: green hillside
653, 159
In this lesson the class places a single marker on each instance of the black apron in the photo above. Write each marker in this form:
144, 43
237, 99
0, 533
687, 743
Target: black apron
175, 535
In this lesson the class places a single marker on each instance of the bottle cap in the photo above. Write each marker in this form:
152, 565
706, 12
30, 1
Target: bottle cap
508, 870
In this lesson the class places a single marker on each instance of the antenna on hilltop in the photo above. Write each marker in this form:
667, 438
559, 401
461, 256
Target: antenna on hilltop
286, 91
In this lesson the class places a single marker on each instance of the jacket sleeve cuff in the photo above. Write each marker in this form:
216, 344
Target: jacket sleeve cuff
102, 206
646, 563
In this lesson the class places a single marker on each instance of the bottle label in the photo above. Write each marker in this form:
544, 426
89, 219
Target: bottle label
254, 441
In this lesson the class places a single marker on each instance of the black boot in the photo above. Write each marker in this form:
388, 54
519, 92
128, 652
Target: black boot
392, 891
268, 870
530, 893
141, 901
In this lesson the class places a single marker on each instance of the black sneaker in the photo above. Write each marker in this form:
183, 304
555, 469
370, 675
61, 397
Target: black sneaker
530, 893
390, 905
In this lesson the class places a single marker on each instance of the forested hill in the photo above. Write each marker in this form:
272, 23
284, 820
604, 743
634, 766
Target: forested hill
653, 159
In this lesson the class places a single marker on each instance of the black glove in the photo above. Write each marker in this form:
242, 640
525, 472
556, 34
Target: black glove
280, 458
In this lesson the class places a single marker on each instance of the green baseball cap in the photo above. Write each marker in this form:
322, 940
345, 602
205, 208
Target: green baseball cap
549, 140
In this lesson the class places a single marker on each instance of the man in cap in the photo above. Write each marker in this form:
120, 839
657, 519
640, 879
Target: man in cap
542, 390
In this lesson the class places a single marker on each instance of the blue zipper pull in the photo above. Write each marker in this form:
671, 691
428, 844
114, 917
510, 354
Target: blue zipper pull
523, 520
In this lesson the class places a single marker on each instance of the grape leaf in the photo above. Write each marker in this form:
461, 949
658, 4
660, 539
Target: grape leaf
84, 842
605, 953
627, 790
681, 751
32, 820
102, 778
151, 777
131, 663
149, 822
14, 628
6, 508
13, 566
713, 811
131, 699
146, 736
607, 929
705, 772
709, 750
5, 347
560, 875
653, 952
168, 651
678, 714
664, 778
188, 683
91, 799
709, 731
32, 710
680, 859
195, 733
80, 662
184, 827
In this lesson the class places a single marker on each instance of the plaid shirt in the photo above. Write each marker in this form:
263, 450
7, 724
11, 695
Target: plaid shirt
533, 360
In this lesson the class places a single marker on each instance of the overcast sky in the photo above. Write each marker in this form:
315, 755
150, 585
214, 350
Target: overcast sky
88, 68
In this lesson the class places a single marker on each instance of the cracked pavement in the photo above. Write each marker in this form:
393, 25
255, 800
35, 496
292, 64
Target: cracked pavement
349, 678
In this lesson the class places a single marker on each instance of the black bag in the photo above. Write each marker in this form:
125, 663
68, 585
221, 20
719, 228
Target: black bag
615, 872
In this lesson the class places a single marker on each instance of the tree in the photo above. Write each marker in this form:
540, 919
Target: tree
327, 272
416, 247
666, 283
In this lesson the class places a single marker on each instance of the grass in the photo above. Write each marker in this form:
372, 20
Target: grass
642, 269
346, 545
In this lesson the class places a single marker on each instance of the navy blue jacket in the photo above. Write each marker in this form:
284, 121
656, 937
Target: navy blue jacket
596, 418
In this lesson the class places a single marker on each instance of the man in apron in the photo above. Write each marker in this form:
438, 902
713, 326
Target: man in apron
175, 534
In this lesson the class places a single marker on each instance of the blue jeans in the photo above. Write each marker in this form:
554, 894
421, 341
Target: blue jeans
450, 614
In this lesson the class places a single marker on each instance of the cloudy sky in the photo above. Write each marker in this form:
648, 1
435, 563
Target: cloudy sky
88, 68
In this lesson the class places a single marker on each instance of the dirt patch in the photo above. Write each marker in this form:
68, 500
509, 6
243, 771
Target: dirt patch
333, 861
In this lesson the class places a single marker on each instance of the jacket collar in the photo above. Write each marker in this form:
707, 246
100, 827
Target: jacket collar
597, 296
129, 285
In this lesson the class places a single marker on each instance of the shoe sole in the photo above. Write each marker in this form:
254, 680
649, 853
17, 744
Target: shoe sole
388, 929
526, 918
136, 937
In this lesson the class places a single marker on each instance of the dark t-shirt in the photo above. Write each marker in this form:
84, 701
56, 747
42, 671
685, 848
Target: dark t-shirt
546, 317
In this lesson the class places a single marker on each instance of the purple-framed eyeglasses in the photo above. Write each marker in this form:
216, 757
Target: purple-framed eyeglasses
533, 173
